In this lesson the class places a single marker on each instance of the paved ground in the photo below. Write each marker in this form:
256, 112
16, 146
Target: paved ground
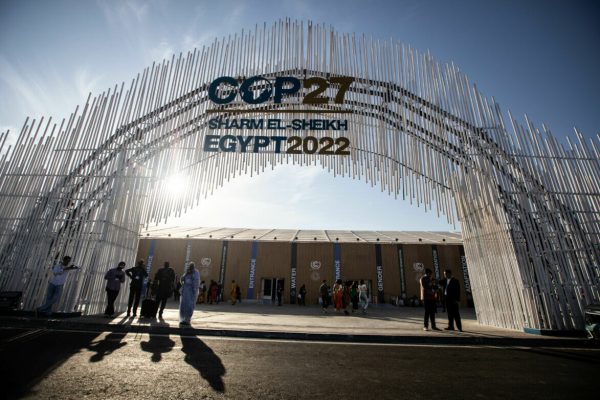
257, 351
381, 324
48, 364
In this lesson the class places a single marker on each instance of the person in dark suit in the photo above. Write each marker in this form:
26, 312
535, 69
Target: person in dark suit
165, 277
452, 298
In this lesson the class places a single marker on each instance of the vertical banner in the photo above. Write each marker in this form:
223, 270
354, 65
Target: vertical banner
379, 270
436, 262
188, 253
252, 272
402, 273
467, 281
294, 265
149, 265
337, 260
223, 263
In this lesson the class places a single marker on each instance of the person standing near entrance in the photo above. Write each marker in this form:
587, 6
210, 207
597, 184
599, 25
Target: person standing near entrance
302, 296
137, 275
428, 298
165, 281
114, 278
324, 292
452, 297
55, 285
363, 295
233, 293
190, 283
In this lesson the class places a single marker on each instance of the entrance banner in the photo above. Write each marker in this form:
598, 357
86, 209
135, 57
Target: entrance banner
379, 271
149, 264
223, 263
252, 274
402, 273
294, 265
337, 262
466, 280
436, 262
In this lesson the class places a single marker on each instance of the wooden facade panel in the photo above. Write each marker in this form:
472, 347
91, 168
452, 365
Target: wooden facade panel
414, 257
307, 253
273, 260
358, 261
210, 252
237, 267
391, 271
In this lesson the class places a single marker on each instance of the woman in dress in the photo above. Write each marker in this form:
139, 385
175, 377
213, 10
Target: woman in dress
190, 282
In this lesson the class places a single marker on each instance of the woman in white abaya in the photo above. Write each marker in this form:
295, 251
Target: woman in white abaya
190, 282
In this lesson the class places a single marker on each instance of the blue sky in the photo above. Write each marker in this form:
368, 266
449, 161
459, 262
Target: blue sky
535, 57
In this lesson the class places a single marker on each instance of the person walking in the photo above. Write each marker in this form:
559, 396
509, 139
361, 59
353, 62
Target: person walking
165, 281
302, 296
190, 283
55, 285
363, 295
452, 298
354, 296
114, 278
324, 292
137, 275
233, 293
428, 297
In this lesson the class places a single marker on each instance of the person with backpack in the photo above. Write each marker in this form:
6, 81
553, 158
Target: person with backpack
165, 282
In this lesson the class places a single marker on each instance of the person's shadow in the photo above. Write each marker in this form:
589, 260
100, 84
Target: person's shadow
205, 361
157, 345
106, 346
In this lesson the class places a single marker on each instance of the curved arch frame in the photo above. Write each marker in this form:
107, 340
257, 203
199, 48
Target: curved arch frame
528, 206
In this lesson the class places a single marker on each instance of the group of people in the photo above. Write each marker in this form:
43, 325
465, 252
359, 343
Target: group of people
449, 290
343, 294
163, 287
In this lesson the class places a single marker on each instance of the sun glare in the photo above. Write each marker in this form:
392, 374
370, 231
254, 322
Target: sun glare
175, 185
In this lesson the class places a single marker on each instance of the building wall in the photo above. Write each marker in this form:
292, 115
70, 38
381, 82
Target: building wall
315, 262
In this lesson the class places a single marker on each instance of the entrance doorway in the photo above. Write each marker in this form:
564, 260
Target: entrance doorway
269, 288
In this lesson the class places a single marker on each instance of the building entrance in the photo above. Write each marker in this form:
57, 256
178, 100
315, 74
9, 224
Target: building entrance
269, 288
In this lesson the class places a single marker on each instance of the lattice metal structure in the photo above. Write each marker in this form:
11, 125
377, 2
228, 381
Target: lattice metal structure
529, 205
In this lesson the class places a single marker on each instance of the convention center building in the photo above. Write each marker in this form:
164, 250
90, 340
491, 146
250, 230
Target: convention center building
390, 262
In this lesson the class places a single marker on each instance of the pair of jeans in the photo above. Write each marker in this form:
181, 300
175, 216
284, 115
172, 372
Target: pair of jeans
365, 300
52, 297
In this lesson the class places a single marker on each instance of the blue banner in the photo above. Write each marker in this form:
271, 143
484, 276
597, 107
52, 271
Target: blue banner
379, 271
436, 263
293, 263
149, 264
252, 274
337, 260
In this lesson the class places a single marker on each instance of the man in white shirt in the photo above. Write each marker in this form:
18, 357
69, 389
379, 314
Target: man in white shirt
55, 285
363, 296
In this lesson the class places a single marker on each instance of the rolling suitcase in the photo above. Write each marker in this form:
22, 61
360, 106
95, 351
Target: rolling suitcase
149, 308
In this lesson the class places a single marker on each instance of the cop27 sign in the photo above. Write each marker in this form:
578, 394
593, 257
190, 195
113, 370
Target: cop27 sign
259, 90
